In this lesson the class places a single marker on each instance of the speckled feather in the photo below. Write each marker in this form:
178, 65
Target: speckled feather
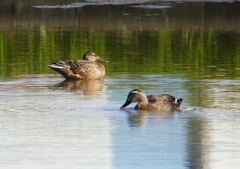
88, 68
162, 102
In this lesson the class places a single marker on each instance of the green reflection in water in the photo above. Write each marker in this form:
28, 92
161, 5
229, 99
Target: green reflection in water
195, 54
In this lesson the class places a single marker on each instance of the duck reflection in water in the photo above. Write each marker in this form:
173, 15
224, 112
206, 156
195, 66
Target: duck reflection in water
163, 102
87, 68
140, 118
87, 86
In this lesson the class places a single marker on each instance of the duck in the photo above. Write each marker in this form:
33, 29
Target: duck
89, 68
161, 102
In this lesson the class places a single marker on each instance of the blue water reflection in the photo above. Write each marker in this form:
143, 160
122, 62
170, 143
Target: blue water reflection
54, 127
156, 141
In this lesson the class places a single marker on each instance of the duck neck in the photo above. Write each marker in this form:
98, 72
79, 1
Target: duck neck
100, 66
142, 103
144, 100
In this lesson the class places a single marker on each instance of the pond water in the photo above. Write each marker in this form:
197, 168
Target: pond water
188, 49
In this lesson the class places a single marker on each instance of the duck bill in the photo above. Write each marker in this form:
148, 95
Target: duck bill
101, 60
125, 104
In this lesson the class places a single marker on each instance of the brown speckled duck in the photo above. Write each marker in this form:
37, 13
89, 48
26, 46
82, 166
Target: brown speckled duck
163, 102
87, 68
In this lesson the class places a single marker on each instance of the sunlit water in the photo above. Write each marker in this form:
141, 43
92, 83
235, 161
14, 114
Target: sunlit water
47, 122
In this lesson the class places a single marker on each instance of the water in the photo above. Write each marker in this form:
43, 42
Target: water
47, 122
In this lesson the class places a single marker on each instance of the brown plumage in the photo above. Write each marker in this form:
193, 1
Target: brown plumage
163, 102
87, 68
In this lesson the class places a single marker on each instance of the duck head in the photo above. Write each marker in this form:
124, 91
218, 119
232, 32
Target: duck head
92, 57
135, 95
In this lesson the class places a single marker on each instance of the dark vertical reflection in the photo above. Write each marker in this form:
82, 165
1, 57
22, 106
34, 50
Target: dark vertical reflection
196, 143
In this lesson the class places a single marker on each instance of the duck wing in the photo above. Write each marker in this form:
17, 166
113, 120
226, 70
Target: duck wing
165, 102
166, 98
79, 69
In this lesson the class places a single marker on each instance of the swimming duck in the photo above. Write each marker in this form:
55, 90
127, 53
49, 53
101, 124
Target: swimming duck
162, 102
87, 68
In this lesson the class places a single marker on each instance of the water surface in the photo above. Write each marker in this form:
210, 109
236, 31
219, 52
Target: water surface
186, 49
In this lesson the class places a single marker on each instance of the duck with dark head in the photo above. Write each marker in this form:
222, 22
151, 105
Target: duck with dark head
162, 102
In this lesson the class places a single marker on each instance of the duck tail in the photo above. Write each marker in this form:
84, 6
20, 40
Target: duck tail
179, 102
55, 67
58, 68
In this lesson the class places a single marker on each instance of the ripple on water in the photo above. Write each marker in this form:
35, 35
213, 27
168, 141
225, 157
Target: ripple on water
61, 124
